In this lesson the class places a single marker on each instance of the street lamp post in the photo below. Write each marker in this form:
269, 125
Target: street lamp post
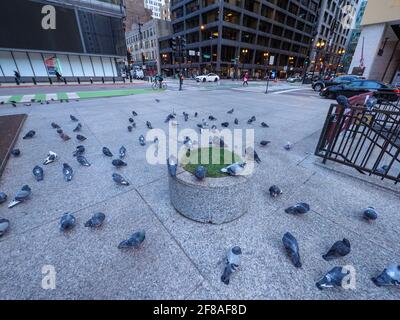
341, 53
320, 45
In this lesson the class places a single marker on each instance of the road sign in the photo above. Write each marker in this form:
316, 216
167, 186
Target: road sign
207, 56
271, 60
192, 53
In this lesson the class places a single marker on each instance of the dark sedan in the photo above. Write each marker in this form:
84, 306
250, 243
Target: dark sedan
321, 84
357, 87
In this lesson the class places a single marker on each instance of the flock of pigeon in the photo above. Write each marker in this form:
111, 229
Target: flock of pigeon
334, 278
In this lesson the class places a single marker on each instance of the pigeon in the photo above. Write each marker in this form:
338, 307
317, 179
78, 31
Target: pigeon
14, 104
253, 154
292, 248
21, 196
383, 170
3, 197
299, 208
120, 179
212, 118
370, 214
287, 146
230, 111
71, 116
51, 157
67, 172
236, 121
29, 135
390, 276
157, 100
172, 166
15, 152
200, 172
134, 113
204, 123
96, 220
256, 157
339, 249
169, 117
334, 278
119, 163
78, 127
225, 124
251, 120
155, 141
59, 131
232, 263
148, 124
38, 173
343, 101
80, 137
131, 120
83, 161
134, 241
65, 137
67, 221
107, 152
186, 116
142, 140
275, 191
196, 114
188, 142
234, 169
264, 125
130, 128
55, 125
47, 102
79, 151
122, 152
264, 143
4, 225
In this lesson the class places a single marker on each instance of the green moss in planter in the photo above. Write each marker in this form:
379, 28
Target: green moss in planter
213, 169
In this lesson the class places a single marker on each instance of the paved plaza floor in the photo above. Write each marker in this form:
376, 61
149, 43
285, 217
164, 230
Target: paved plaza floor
180, 258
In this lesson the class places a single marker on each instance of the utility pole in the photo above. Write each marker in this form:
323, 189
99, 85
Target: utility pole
141, 41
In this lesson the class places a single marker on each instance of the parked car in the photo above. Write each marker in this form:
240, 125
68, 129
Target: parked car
321, 84
294, 79
354, 88
211, 77
137, 73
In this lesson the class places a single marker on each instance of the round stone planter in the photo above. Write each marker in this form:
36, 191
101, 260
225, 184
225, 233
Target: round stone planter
212, 200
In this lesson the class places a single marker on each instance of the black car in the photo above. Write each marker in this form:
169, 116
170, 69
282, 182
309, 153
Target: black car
321, 84
357, 87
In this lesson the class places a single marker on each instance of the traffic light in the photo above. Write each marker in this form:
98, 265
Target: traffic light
172, 44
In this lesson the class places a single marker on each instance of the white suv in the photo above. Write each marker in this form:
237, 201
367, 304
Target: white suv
211, 77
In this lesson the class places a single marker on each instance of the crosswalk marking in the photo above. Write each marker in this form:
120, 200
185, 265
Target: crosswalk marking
4, 98
50, 96
27, 97
72, 95
289, 90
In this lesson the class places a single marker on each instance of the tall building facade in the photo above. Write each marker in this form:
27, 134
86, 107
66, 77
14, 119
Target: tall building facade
155, 6
76, 38
233, 36
135, 12
377, 55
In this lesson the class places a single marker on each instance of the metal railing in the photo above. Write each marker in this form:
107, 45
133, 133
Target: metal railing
366, 140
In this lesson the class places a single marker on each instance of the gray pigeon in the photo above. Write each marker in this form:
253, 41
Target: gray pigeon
131, 120
67, 221
264, 143
134, 113
370, 214
80, 137
172, 166
77, 128
59, 131
120, 179
232, 263
251, 120
230, 111
148, 124
142, 141
334, 278
3, 197
339, 249
107, 152
299, 208
264, 125
200, 172
275, 191
188, 142
169, 117
119, 163
51, 157
130, 128
196, 114
292, 249
55, 125
73, 118
236, 121
38, 173
83, 161
4, 225
390, 276
96, 220
79, 151
225, 124
157, 100
134, 241
122, 152
234, 169
212, 118
21, 196
65, 137
67, 172
29, 134
186, 116
16, 152
288, 146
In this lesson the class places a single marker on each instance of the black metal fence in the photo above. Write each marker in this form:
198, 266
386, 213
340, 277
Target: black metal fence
367, 140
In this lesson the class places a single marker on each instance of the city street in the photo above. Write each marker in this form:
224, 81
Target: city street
181, 258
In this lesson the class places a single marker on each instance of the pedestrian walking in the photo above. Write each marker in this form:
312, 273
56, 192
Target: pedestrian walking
246, 79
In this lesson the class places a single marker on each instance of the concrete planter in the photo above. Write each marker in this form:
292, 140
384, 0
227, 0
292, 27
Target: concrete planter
212, 200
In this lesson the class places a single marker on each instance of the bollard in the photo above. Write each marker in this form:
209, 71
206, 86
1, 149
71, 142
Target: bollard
91, 80
123, 79
65, 80
50, 81
113, 79
79, 80
102, 79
